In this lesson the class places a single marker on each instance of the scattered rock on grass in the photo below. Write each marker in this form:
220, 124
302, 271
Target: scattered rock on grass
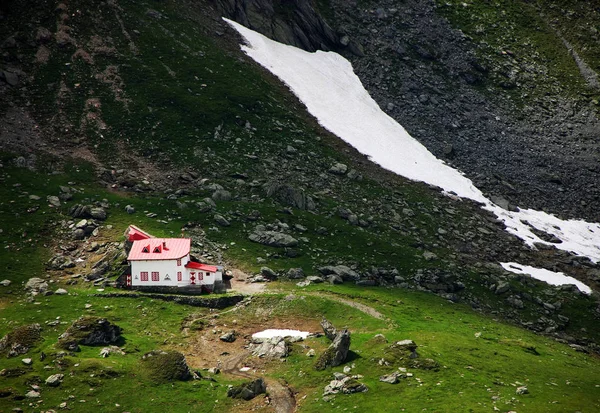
89, 331
247, 391
522, 390
55, 380
344, 384
36, 285
338, 350
392, 378
228, 337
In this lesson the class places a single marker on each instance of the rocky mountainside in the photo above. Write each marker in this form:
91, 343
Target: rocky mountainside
157, 104
500, 90
122, 112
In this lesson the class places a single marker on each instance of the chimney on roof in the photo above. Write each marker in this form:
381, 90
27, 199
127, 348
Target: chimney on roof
165, 245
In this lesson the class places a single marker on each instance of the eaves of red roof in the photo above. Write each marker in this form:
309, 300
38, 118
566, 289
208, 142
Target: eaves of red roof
134, 234
199, 266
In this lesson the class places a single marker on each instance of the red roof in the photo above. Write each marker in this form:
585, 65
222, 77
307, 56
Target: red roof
160, 249
198, 266
134, 233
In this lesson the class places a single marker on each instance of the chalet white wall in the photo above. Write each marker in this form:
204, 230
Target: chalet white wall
163, 267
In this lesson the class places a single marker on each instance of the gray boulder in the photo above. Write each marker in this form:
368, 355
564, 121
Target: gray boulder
221, 220
338, 169
268, 273
228, 337
55, 380
98, 213
290, 196
274, 347
336, 353
273, 239
36, 285
53, 200
329, 329
343, 271
392, 378
295, 273
89, 331
344, 384
247, 391
221, 195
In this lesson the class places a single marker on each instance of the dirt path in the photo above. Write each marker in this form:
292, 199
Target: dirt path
361, 307
238, 283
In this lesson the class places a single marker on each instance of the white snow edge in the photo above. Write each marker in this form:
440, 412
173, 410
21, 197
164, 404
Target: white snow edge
551, 277
272, 332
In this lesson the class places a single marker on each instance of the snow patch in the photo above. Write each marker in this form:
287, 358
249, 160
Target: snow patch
325, 82
551, 277
270, 333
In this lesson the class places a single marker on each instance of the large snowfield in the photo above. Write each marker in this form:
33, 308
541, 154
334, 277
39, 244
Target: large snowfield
325, 82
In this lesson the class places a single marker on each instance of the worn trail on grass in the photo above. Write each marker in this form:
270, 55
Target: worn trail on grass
359, 306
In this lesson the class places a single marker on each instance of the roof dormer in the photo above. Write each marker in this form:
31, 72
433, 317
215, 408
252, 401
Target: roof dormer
146, 249
157, 249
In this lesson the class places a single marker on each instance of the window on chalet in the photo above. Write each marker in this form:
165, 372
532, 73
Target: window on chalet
146, 249
179, 262
179, 276
157, 250
144, 276
200, 276
155, 276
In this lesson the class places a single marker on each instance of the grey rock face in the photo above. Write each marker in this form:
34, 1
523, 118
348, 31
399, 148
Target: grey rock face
344, 384
343, 271
221, 220
290, 196
221, 195
305, 29
248, 391
273, 239
392, 378
228, 337
295, 273
55, 380
336, 353
275, 347
338, 169
36, 285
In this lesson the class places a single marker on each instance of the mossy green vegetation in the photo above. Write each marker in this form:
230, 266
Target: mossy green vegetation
165, 366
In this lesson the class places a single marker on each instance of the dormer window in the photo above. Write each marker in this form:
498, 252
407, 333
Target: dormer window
157, 249
146, 249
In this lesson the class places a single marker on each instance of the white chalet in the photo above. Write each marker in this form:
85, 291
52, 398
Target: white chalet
166, 262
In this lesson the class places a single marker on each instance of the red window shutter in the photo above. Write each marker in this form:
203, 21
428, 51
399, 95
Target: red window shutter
144, 276
155, 276
179, 262
179, 276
